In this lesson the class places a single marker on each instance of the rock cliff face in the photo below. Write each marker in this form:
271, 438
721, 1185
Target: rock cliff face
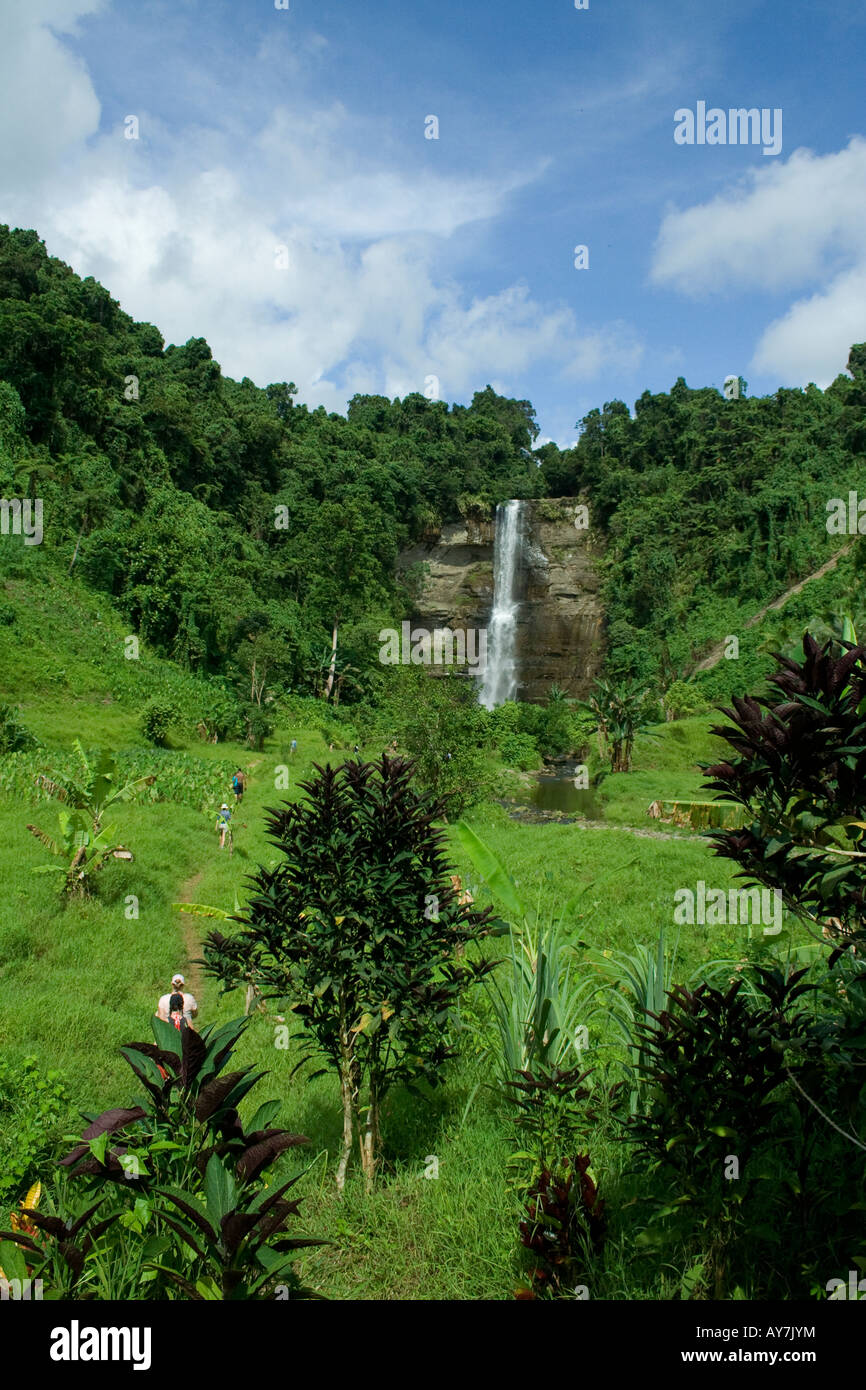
559, 624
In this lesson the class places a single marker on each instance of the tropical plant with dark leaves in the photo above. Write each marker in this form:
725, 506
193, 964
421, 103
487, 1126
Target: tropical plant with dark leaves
563, 1230
714, 1065
232, 1230
189, 1111
549, 1113
161, 1153
800, 771
57, 1250
360, 927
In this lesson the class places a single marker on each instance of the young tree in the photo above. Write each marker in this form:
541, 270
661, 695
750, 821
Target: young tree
621, 712
440, 723
84, 843
360, 928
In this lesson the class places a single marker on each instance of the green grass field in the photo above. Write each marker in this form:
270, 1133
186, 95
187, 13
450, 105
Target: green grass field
79, 980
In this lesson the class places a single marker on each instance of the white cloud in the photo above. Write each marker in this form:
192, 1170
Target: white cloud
811, 341
798, 225
183, 225
49, 104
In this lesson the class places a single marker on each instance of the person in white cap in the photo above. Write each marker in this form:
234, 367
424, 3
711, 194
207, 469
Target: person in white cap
190, 1007
223, 821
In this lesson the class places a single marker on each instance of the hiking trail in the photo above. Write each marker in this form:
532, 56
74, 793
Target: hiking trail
191, 940
716, 653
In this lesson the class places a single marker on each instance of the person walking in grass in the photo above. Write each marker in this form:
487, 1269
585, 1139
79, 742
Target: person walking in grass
223, 823
168, 1004
294, 748
239, 786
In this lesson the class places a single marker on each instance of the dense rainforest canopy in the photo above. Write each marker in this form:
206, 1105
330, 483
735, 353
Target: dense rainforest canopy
225, 520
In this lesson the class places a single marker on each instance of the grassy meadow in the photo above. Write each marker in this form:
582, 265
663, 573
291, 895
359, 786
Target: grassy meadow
79, 980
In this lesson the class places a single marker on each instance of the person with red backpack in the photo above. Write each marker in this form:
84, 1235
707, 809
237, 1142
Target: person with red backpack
177, 1007
176, 1014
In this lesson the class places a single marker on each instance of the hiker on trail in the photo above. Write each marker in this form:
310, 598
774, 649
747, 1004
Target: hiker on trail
176, 1014
168, 1004
239, 786
223, 822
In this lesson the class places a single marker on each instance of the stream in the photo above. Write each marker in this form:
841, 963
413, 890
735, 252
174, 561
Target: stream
553, 795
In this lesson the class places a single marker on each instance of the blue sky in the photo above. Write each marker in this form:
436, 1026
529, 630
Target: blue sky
405, 258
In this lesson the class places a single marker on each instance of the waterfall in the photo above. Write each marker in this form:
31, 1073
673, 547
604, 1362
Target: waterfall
499, 682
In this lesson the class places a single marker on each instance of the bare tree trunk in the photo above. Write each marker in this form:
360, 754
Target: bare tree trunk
258, 686
348, 1126
329, 684
77, 544
369, 1140
348, 1075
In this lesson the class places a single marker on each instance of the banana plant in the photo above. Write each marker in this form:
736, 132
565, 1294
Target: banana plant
97, 790
494, 873
83, 850
621, 711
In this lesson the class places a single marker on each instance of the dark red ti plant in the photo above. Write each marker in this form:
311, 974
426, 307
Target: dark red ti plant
237, 1231
800, 772
188, 1112
185, 1151
563, 1230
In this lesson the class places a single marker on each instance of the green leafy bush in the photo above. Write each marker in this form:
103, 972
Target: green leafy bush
32, 1106
518, 750
156, 720
14, 737
440, 723
259, 726
683, 699
222, 716
557, 728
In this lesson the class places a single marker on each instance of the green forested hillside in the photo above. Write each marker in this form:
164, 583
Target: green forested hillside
213, 512
228, 524
712, 508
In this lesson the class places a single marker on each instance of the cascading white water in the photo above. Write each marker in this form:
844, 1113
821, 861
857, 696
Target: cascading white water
499, 682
